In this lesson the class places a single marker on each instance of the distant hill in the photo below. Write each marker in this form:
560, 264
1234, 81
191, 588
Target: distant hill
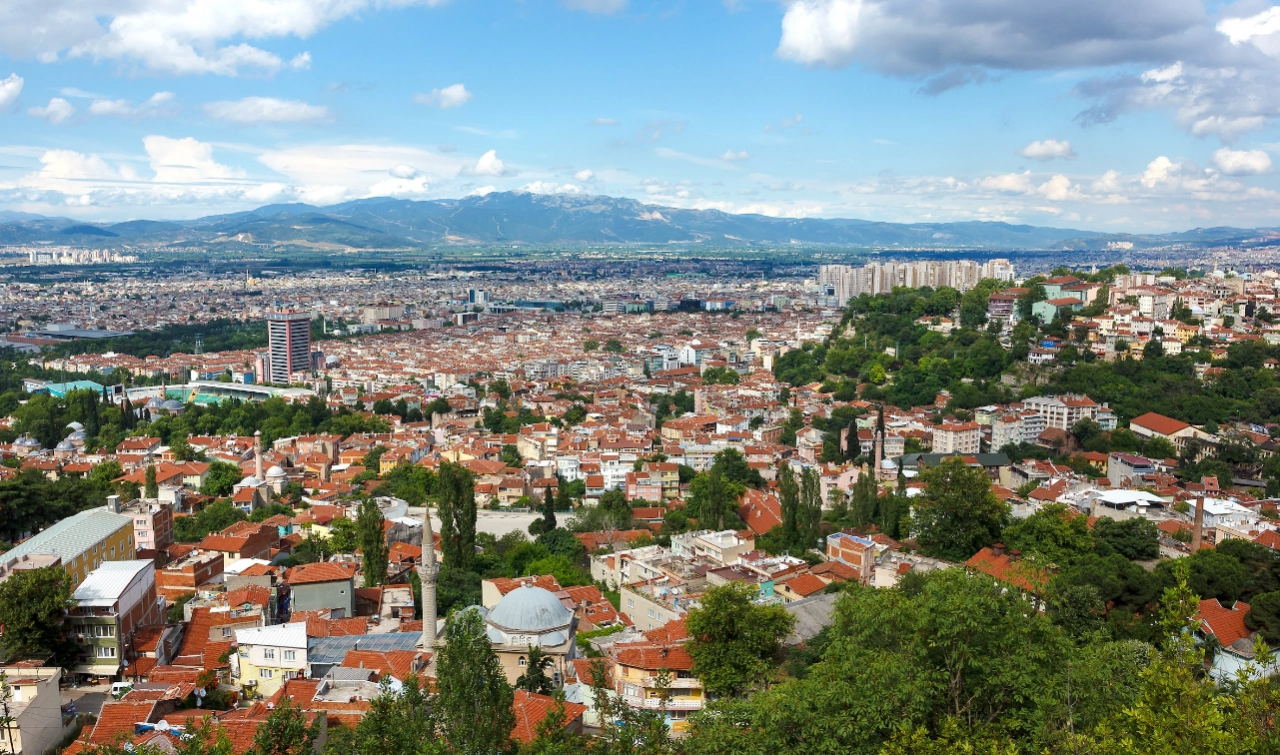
522, 218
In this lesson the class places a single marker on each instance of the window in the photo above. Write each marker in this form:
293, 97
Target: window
631, 603
265, 673
226, 631
104, 630
651, 613
291, 655
106, 651
521, 662
142, 533
269, 654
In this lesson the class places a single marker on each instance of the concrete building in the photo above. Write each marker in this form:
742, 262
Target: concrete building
82, 542
267, 656
957, 438
152, 523
322, 585
35, 707
288, 345
531, 616
114, 601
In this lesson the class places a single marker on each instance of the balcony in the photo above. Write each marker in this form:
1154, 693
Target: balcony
653, 703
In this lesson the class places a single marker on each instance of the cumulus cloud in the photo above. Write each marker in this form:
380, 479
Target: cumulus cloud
547, 187
1048, 149
1251, 162
584, 175
360, 170
454, 95
403, 171
126, 109
185, 160
487, 165
602, 7
10, 91
1158, 171
57, 111
1009, 183
252, 110
192, 37
732, 156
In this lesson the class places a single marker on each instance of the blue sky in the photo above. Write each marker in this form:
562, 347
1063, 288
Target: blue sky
1150, 115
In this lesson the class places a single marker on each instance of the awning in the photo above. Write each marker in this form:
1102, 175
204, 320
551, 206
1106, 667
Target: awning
100, 669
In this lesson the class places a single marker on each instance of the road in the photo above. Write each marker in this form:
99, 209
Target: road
88, 698
498, 523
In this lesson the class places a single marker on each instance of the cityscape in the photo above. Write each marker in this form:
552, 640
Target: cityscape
429, 378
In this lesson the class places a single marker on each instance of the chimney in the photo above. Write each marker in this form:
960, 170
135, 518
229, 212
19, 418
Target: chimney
113, 504
1014, 555
1197, 532
997, 549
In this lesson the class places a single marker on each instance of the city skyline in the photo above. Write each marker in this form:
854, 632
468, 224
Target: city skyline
1085, 115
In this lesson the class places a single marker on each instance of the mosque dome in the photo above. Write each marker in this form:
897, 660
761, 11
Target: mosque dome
530, 609
250, 482
27, 441
65, 445
275, 473
74, 426
172, 405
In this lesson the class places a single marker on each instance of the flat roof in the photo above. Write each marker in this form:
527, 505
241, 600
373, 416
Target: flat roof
72, 536
105, 585
74, 333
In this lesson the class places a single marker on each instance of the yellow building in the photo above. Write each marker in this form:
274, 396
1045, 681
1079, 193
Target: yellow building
79, 543
266, 656
638, 670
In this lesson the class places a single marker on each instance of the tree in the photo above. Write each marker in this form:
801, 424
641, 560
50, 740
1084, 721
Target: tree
373, 543
287, 731
809, 513
456, 490
344, 536
473, 701
958, 514
553, 735
152, 489
33, 603
221, 479
735, 643
1053, 533
613, 346
1136, 539
398, 722
789, 503
548, 520
535, 679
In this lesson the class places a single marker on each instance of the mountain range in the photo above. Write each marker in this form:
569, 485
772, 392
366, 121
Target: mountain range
522, 218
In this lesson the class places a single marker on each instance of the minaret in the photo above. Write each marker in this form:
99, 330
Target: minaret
427, 570
257, 455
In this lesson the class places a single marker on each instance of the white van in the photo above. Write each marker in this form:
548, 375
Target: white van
120, 688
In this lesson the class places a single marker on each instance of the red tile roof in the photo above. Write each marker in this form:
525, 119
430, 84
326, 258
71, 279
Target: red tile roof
531, 709
1020, 574
1226, 624
325, 571
654, 656
805, 585
1158, 423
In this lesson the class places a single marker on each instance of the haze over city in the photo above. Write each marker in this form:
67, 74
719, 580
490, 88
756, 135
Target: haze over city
1139, 116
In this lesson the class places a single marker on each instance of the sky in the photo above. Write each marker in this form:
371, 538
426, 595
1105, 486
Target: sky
1136, 116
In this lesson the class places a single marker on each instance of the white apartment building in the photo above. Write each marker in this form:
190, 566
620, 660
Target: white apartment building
957, 438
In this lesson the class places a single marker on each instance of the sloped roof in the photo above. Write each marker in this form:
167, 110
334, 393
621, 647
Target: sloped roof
1226, 624
530, 709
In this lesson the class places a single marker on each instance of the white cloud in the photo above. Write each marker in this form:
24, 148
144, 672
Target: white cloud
1058, 189
66, 164
482, 191
487, 165
785, 123
1251, 162
732, 156
126, 109
602, 7
1158, 171
708, 162
10, 91
584, 175
403, 171
360, 170
185, 161
301, 62
192, 37
1263, 30
604, 122
57, 111
546, 187
251, 110
1008, 183
454, 95
1048, 149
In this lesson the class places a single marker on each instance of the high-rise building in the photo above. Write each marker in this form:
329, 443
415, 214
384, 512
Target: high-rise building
288, 345
477, 297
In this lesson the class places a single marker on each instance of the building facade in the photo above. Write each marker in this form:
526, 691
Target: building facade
288, 345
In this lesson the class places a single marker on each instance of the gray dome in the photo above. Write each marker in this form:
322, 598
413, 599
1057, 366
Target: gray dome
275, 473
27, 442
77, 435
74, 426
154, 403
64, 446
172, 405
530, 609
250, 482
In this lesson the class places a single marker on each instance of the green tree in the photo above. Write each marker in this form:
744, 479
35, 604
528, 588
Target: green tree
344, 537
457, 510
958, 515
613, 346
221, 479
152, 490
33, 603
535, 679
287, 731
1136, 539
735, 643
473, 701
398, 723
1053, 533
789, 503
373, 543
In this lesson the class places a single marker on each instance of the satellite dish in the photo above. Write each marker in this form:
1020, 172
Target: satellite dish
200, 692
128, 746
162, 725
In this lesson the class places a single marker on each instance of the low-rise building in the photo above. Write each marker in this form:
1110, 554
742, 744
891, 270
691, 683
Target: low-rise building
83, 541
34, 709
266, 656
